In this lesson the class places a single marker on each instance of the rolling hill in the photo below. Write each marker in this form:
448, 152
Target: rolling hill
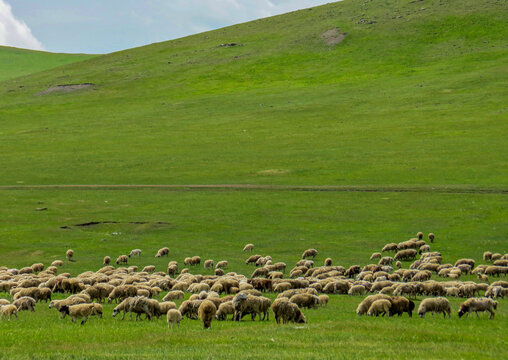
16, 62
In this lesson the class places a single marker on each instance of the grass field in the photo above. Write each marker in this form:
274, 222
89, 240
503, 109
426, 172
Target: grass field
403, 121
16, 62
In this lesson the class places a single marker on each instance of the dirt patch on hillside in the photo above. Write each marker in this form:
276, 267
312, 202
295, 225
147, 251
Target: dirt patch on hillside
65, 88
333, 36
92, 223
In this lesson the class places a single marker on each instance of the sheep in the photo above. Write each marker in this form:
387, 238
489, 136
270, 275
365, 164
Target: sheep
37, 267
248, 247
221, 264
281, 287
69, 254
287, 312
219, 272
208, 264
400, 305
434, 305
305, 300
364, 306
165, 306
106, 261
135, 252
431, 237
496, 256
407, 254
189, 308
174, 295
328, 262
172, 269
501, 262
387, 260
478, 304
375, 256
173, 317
465, 261
5, 302
323, 300
206, 313
122, 259
389, 247
248, 304
398, 264
487, 256
8, 311
122, 292
162, 252
57, 263
133, 305
149, 269
309, 253
81, 311
71, 300
357, 290
224, 310
196, 260
252, 259
423, 249
381, 306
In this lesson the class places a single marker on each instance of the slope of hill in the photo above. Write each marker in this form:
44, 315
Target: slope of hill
408, 97
20, 62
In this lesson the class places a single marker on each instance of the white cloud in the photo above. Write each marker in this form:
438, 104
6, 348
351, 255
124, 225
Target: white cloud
14, 32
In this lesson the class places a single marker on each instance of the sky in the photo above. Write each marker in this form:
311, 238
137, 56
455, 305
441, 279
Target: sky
104, 26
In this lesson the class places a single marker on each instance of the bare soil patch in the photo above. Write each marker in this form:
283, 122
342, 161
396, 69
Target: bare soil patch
333, 36
65, 88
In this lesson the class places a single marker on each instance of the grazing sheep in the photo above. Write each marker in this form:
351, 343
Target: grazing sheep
309, 253
431, 237
476, 305
381, 306
248, 247
398, 264
224, 310
323, 300
107, 260
165, 306
434, 305
287, 312
69, 254
407, 254
419, 235
375, 256
173, 317
221, 264
149, 269
190, 308
357, 290
469, 262
7, 311
81, 311
328, 262
122, 259
487, 256
206, 313
252, 259
248, 304
387, 260
162, 252
452, 292
389, 247
132, 305
423, 249
400, 305
174, 295
37, 267
364, 306
135, 252
5, 302
219, 272
208, 264
496, 256
281, 287
305, 300
57, 263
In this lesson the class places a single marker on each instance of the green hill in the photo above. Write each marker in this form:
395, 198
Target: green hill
410, 96
16, 62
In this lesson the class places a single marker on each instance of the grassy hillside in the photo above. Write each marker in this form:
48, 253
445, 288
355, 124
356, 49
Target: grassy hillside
20, 62
409, 97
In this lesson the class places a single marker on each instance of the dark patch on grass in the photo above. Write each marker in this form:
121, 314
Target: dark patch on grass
65, 88
92, 223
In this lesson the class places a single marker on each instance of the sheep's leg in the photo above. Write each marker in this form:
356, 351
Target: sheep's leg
478, 316
491, 313
84, 320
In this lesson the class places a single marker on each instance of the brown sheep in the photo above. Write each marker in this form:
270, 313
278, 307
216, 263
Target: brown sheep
106, 261
248, 247
57, 263
206, 313
305, 300
434, 305
400, 305
225, 309
389, 247
287, 312
208, 264
69, 254
8, 311
25, 303
328, 262
309, 253
173, 317
122, 259
408, 254
381, 306
323, 300
81, 310
431, 237
162, 252
364, 306
252, 259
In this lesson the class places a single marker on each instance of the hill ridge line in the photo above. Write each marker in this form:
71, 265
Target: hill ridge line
324, 188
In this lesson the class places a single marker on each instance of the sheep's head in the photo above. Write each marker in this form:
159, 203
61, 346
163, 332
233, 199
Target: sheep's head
462, 310
495, 305
64, 310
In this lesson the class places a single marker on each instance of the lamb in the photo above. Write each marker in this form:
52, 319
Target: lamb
206, 313
287, 312
81, 311
323, 300
222, 264
57, 263
309, 253
381, 306
8, 311
69, 254
172, 269
434, 305
478, 304
400, 305
173, 317
208, 264
364, 306
135, 252
305, 300
106, 261
162, 252
122, 259
248, 247
224, 310
174, 295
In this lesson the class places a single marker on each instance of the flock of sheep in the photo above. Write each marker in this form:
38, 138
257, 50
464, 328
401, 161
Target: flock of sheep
308, 286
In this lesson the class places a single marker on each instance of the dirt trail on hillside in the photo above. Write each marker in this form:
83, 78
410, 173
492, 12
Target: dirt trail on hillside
244, 187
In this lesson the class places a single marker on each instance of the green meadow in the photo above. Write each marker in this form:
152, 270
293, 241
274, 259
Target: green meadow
403, 122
